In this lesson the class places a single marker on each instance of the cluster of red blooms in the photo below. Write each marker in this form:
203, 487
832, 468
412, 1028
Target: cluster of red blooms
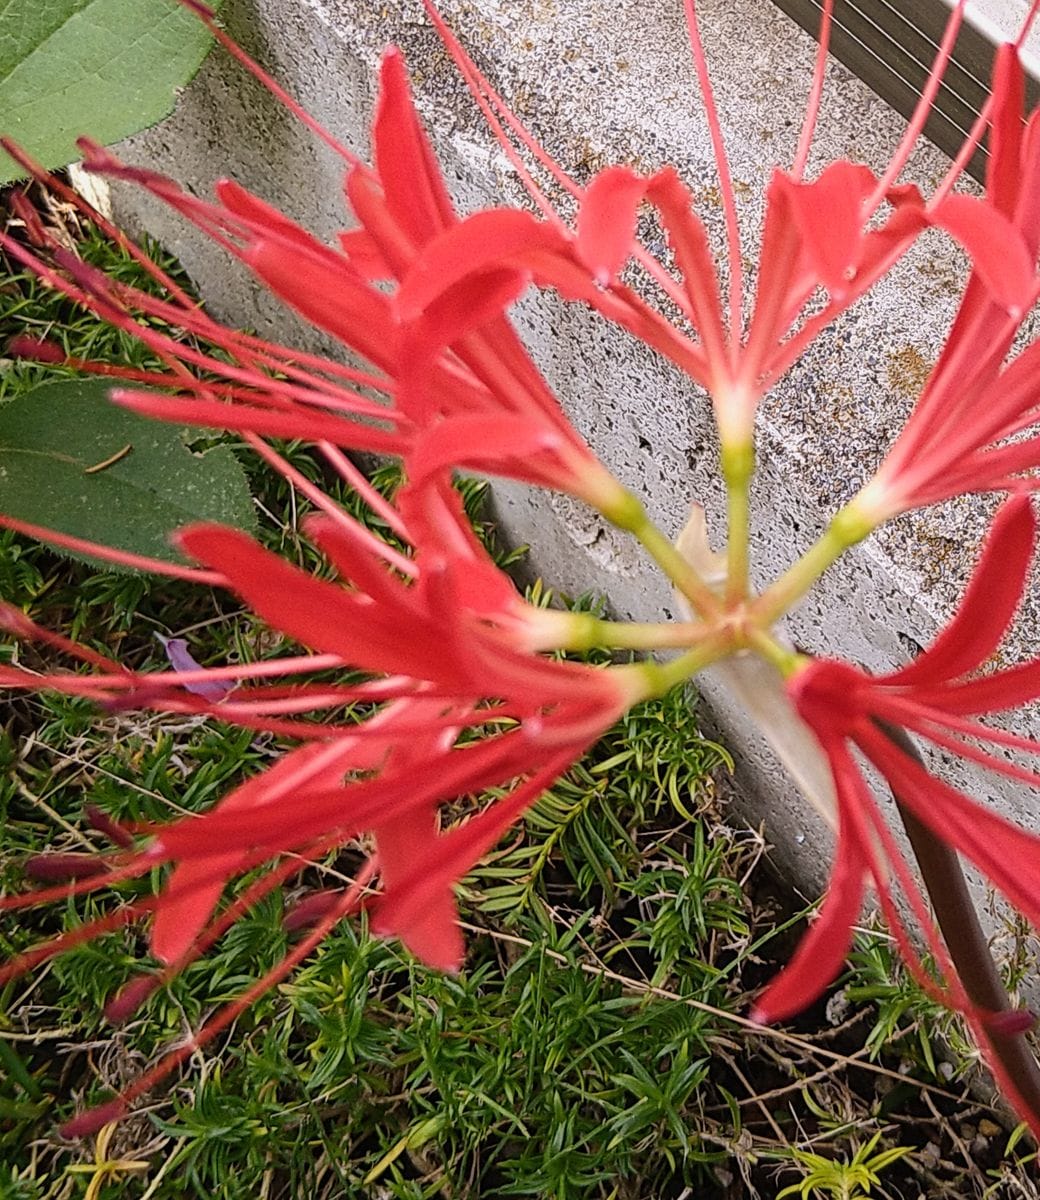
419, 295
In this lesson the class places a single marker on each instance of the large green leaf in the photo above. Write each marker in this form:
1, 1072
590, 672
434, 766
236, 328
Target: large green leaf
104, 68
52, 440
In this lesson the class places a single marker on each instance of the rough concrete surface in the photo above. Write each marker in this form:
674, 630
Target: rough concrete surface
1001, 20
604, 81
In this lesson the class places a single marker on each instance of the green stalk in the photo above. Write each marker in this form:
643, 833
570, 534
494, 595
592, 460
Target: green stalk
738, 466
586, 632
848, 526
657, 678
766, 646
630, 515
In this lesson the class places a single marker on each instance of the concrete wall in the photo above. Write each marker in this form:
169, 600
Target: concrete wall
1001, 20
605, 81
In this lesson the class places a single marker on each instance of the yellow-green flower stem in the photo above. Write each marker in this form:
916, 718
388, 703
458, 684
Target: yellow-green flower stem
728, 624
738, 466
786, 660
850, 525
627, 513
651, 678
554, 630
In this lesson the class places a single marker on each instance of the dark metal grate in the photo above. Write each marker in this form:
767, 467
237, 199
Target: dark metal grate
890, 46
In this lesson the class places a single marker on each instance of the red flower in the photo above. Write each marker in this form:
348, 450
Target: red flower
820, 235
419, 294
473, 399
454, 645
958, 437
451, 644
935, 697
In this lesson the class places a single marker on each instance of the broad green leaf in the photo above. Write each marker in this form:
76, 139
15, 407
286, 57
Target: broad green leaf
100, 68
53, 442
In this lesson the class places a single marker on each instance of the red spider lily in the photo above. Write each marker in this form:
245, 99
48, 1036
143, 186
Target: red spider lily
816, 236
819, 236
934, 697
956, 437
454, 644
418, 294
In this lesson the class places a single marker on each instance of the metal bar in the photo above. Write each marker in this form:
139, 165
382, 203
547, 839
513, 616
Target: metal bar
890, 45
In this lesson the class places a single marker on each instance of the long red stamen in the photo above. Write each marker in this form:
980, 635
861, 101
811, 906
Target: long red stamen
922, 110
359, 482
491, 105
133, 994
94, 291
14, 621
58, 187
812, 108
125, 558
317, 497
89, 1122
208, 18
729, 200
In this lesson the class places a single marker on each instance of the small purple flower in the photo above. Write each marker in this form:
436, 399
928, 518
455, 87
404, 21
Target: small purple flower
177, 652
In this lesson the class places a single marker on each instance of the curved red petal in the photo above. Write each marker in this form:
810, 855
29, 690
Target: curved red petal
824, 948
484, 242
1003, 852
998, 251
411, 844
829, 215
460, 848
321, 614
178, 922
1003, 163
415, 193
607, 221
990, 601
263, 216
325, 290
498, 443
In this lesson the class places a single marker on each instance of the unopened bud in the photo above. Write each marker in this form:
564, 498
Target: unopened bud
59, 868
130, 997
311, 909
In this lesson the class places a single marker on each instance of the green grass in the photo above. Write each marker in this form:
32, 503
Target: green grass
593, 1045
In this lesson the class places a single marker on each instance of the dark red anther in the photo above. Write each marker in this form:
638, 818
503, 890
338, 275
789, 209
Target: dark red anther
59, 868
310, 909
103, 823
